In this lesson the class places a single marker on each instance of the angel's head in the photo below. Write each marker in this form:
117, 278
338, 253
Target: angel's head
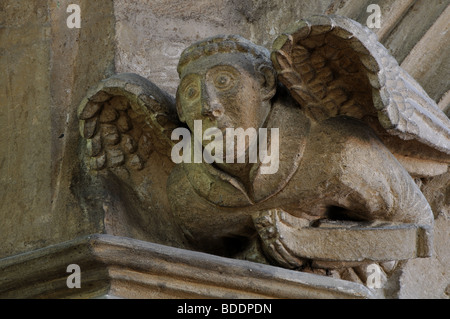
226, 81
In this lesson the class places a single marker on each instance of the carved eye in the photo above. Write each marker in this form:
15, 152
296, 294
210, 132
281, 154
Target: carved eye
191, 92
224, 80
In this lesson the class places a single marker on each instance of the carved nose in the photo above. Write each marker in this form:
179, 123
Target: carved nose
212, 110
211, 107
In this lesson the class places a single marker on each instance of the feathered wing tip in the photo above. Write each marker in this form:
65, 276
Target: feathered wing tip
334, 66
123, 121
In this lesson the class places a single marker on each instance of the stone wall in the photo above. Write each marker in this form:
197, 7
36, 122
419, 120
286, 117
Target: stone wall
152, 34
47, 69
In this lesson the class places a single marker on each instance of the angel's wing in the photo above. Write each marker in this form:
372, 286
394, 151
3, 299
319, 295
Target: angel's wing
126, 124
123, 121
334, 66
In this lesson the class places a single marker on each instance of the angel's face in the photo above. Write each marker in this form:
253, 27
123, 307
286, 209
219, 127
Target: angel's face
223, 91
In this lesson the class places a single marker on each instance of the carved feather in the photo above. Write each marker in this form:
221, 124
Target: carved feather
334, 66
124, 120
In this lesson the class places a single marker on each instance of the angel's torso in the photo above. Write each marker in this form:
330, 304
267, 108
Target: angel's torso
223, 189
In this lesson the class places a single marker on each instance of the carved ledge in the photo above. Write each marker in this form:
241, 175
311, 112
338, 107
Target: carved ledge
121, 267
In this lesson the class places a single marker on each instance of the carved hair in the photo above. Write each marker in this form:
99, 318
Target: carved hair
225, 44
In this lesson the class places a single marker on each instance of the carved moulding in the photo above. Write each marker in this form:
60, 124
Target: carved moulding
118, 267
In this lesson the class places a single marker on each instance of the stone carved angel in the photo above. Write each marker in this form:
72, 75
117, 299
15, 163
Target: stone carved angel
350, 122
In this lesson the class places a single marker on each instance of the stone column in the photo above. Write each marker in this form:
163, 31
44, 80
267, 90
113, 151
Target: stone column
47, 69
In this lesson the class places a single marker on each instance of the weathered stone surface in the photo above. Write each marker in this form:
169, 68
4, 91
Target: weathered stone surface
429, 278
357, 179
404, 28
342, 241
430, 57
39, 127
422, 168
47, 70
25, 121
151, 35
